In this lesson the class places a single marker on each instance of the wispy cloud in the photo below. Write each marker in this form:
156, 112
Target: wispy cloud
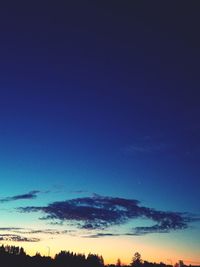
30, 195
99, 212
21, 230
146, 148
10, 228
98, 235
17, 238
147, 145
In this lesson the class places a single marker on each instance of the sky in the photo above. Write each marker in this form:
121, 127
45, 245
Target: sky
99, 128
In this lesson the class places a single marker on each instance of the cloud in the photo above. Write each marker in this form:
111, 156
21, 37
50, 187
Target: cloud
20, 230
30, 195
97, 235
146, 148
44, 231
10, 228
17, 238
147, 145
99, 212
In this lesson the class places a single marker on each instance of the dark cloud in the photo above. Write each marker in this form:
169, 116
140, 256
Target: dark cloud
97, 235
100, 212
17, 238
166, 222
30, 195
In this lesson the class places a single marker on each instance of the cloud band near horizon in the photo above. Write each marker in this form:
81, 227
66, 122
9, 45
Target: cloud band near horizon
99, 213
30, 195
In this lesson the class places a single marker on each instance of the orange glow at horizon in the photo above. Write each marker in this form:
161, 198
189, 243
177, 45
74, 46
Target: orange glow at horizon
113, 248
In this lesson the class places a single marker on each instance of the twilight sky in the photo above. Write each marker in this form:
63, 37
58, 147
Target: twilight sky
99, 128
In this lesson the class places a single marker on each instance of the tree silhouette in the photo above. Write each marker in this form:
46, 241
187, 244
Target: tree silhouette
95, 260
136, 261
118, 264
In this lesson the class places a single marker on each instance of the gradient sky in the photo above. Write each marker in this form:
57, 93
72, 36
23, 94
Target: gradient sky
99, 105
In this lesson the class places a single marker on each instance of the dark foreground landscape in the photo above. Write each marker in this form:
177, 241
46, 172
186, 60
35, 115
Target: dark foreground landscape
16, 256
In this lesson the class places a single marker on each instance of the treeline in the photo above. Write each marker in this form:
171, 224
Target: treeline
12, 256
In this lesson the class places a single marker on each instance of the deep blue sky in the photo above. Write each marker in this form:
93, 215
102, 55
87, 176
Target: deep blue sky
101, 97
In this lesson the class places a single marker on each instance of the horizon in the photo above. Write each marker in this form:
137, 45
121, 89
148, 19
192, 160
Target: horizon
99, 128
143, 261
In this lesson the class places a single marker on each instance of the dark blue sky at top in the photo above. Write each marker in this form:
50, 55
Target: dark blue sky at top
108, 89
